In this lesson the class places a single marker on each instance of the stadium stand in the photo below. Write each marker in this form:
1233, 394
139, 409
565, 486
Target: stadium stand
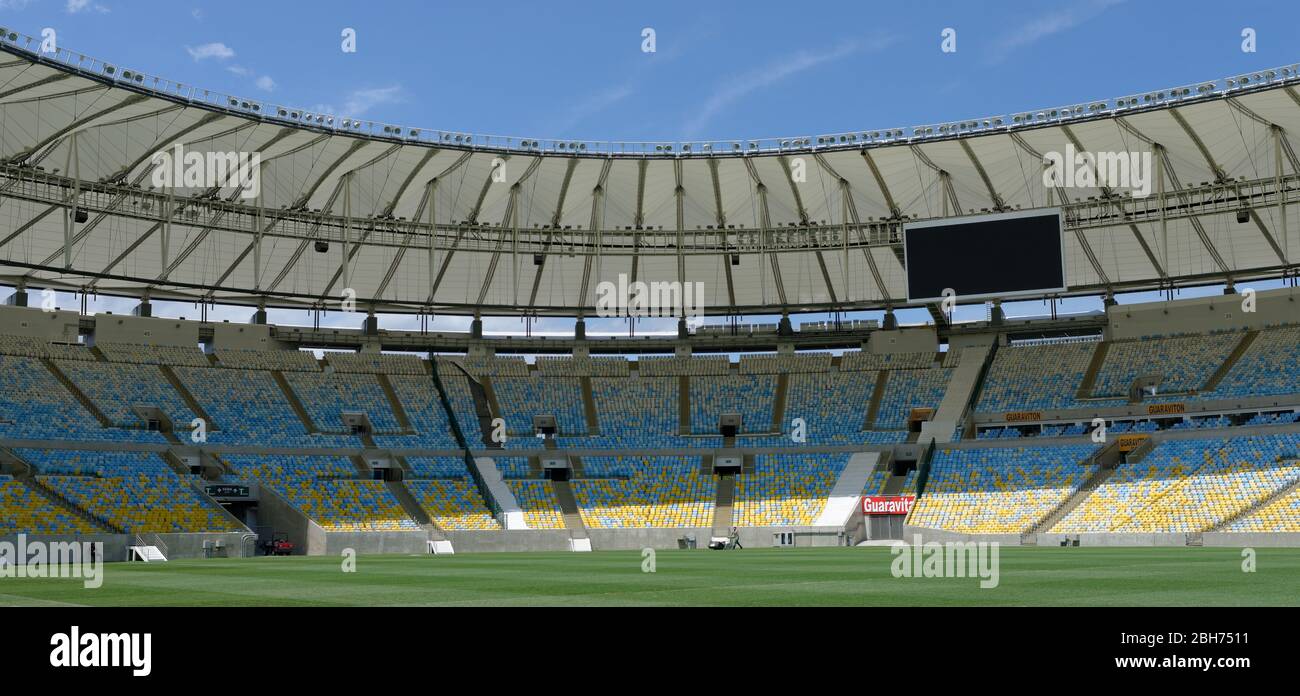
137, 493
786, 490
23, 511
120, 388
650, 492
1035, 377
752, 396
537, 500
1184, 362
327, 490
833, 405
999, 491
1188, 486
907, 390
453, 503
152, 355
326, 397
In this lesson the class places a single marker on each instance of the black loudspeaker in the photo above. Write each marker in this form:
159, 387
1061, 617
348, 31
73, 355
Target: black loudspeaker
80, 216
735, 259
1243, 217
537, 259
322, 246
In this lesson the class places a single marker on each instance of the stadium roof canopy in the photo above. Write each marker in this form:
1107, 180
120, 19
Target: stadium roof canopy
455, 222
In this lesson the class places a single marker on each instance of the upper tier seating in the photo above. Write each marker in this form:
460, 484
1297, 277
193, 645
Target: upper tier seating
419, 398
377, 363
251, 409
282, 360
752, 396
36, 406
776, 364
1185, 362
22, 346
564, 366
999, 491
117, 388
833, 405
637, 412
153, 355
521, 398
865, 360
1035, 377
909, 389
492, 367
672, 366
1271, 367
326, 397
786, 490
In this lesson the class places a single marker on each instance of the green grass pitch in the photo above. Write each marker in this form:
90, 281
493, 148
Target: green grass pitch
750, 577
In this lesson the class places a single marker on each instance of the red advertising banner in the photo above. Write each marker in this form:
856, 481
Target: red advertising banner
887, 504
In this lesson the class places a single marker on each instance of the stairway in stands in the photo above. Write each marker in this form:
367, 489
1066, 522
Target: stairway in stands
394, 403
569, 509
1094, 367
188, 398
294, 402
77, 393
1256, 507
723, 506
414, 510
847, 491
1106, 461
589, 407
1244, 345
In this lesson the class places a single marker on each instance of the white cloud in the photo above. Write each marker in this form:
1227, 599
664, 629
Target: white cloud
76, 6
265, 83
593, 105
1044, 26
738, 88
239, 70
215, 49
361, 101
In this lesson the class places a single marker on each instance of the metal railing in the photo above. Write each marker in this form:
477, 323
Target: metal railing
19, 43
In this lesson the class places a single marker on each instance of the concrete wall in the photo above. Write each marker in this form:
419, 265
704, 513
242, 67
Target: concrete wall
366, 543
1115, 539
179, 546
1204, 314
912, 340
146, 331
1239, 540
243, 337
53, 327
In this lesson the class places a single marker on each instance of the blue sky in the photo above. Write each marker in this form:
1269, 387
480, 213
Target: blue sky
721, 69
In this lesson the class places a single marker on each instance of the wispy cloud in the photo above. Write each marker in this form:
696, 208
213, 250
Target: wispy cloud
265, 83
736, 89
1043, 26
215, 49
76, 6
593, 105
360, 102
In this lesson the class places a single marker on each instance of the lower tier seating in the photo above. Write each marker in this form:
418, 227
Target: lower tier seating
998, 491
